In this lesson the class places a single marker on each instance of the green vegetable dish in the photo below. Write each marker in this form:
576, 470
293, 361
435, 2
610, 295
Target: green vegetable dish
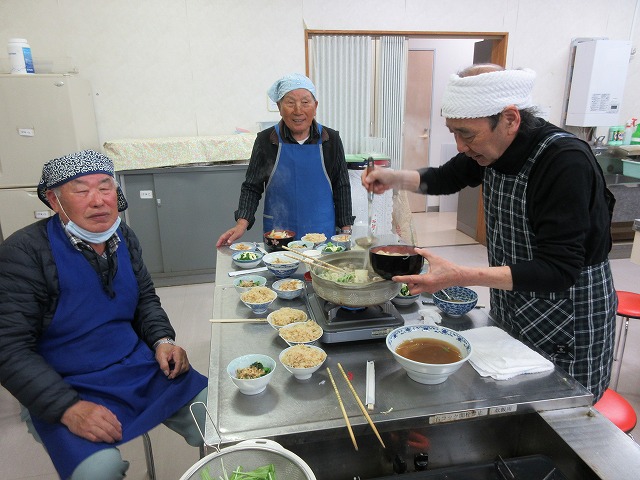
255, 370
248, 256
266, 472
404, 291
330, 247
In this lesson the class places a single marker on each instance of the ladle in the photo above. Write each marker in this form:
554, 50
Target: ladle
369, 240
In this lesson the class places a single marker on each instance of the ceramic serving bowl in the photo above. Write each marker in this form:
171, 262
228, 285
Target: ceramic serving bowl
342, 239
315, 238
281, 264
244, 246
258, 307
248, 259
302, 360
288, 288
404, 298
274, 240
308, 332
391, 260
428, 373
300, 245
251, 386
247, 282
462, 301
286, 315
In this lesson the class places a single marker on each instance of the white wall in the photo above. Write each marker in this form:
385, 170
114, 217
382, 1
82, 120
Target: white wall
201, 67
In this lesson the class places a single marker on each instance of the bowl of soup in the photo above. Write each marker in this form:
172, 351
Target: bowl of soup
275, 240
428, 353
391, 260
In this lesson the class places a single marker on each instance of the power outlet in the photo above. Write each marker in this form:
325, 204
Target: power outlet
146, 193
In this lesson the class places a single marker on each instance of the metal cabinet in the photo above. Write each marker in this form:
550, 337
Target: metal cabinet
41, 117
179, 213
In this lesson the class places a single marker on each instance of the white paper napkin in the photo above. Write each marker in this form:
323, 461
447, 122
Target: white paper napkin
498, 355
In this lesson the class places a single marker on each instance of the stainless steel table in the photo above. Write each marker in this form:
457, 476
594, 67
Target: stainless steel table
300, 412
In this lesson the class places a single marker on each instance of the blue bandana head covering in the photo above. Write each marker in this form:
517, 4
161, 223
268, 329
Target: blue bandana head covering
290, 82
59, 171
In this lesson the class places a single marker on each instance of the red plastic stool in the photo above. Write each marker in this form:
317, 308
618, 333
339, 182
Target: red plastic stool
616, 408
628, 307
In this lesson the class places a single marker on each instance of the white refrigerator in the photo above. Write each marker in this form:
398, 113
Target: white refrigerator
41, 117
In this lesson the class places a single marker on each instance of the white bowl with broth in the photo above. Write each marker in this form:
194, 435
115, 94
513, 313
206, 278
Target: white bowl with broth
428, 353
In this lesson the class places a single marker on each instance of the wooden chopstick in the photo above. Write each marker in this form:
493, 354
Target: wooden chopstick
344, 413
364, 410
237, 320
312, 263
316, 261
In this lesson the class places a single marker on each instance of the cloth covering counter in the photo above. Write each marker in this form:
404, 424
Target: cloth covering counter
134, 154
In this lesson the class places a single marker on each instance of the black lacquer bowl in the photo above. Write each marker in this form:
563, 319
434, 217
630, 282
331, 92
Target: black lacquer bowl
390, 260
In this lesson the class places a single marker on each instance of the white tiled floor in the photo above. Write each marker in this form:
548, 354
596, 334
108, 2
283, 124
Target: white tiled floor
190, 308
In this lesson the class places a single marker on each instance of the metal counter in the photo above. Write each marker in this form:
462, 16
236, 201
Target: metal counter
295, 412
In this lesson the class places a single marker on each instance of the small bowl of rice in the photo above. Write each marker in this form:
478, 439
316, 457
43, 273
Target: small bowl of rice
258, 299
286, 315
288, 288
302, 360
308, 332
315, 238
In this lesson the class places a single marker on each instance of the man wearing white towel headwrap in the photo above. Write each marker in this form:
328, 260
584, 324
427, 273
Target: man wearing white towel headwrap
548, 216
300, 167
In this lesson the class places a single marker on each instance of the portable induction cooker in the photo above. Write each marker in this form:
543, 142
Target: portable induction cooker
350, 324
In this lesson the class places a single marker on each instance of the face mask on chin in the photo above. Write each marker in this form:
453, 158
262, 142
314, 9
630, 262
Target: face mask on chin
86, 235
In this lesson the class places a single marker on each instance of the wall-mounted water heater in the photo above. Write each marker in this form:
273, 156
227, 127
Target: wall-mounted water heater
597, 82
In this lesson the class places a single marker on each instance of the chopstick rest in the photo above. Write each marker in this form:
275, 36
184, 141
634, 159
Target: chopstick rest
370, 396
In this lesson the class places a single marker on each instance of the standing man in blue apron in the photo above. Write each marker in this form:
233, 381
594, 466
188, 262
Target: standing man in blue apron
300, 167
548, 218
85, 345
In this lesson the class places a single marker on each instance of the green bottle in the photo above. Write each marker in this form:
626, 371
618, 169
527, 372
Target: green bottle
635, 138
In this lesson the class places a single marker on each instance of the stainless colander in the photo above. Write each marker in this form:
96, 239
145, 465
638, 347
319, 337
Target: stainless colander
249, 454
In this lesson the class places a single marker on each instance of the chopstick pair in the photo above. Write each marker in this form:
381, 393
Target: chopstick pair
313, 261
362, 408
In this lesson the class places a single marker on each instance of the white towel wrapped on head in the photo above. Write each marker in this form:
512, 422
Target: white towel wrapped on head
498, 355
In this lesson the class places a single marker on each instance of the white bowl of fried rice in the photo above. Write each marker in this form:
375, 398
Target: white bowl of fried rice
258, 299
302, 360
308, 332
285, 316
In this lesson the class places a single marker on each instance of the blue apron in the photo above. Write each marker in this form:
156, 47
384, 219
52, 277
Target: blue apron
92, 345
298, 195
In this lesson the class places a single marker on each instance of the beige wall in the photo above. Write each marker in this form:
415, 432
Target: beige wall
201, 67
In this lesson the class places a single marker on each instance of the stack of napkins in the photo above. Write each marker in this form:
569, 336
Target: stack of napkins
498, 355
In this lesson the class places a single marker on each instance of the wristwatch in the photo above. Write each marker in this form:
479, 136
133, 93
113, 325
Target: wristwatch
163, 340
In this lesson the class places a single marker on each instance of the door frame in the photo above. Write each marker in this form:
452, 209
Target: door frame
498, 56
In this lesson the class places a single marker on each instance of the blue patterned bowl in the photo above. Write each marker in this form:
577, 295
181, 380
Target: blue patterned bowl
465, 301
428, 373
281, 264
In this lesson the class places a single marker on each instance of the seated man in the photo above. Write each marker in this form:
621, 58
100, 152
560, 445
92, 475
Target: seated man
85, 345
